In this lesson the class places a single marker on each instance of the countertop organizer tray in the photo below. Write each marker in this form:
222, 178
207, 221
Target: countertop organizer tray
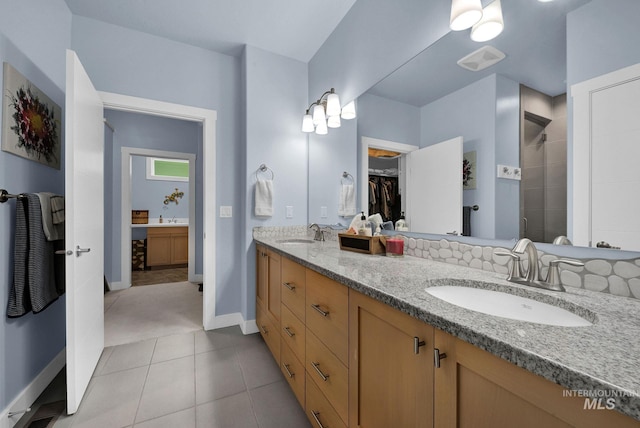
362, 244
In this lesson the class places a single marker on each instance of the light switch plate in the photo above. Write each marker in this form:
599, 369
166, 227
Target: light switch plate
289, 211
226, 211
323, 212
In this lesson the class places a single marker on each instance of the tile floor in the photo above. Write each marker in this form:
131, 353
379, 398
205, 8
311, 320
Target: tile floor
184, 379
159, 276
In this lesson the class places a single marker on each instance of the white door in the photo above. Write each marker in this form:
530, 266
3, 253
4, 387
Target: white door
84, 237
434, 188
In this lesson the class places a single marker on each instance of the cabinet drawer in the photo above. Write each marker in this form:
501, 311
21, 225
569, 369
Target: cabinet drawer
292, 331
319, 411
293, 371
329, 374
293, 287
269, 332
327, 313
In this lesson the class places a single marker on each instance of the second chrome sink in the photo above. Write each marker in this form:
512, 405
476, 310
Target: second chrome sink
505, 305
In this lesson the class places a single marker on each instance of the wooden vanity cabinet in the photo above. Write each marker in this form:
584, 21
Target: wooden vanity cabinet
390, 367
268, 298
167, 246
477, 389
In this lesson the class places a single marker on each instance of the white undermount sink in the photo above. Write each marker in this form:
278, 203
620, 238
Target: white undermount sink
506, 305
295, 241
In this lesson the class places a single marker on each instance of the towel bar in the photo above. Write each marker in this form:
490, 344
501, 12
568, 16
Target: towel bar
5, 196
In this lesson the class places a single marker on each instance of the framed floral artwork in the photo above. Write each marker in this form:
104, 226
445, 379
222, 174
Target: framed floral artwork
31, 121
469, 170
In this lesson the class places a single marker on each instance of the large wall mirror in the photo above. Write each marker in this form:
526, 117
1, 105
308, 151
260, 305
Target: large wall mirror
515, 113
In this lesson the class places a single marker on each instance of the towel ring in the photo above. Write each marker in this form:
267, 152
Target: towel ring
346, 175
264, 168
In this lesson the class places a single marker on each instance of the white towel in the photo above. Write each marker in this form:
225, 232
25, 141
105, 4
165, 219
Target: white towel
264, 198
52, 231
347, 206
57, 209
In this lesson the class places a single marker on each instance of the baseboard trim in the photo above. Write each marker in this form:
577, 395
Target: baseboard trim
196, 278
228, 320
31, 392
117, 285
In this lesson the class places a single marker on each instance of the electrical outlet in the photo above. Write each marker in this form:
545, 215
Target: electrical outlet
323, 212
289, 211
225, 211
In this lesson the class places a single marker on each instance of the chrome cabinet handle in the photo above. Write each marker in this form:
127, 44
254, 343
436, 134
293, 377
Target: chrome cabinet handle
288, 331
437, 356
317, 308
81, 250
417, 343
67, 252
316, 366
315, 417
286, 368
289, 286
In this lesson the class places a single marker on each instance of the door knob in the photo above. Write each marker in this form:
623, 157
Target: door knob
63, 252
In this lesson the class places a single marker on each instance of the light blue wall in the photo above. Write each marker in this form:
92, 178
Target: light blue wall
133, 63
388, 120
373, 39
29, 343
275, 97
329, 156
469, 112
150, 194
147, 132
602, 36
507, 205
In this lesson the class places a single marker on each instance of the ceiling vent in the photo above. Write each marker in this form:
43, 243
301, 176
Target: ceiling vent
484, 57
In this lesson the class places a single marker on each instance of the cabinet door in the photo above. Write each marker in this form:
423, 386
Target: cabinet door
158, 249
390, 366
477, 389
273, 288
262, 276
180, 247
293, 287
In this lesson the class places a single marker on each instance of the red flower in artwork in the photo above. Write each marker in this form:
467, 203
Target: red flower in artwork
35, 124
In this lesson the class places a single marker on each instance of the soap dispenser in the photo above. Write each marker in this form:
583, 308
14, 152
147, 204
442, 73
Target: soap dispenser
364, 226
401, 224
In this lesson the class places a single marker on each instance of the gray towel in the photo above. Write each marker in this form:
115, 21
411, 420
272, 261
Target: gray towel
34, 279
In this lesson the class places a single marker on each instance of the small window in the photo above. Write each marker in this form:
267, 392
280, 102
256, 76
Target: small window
167, 169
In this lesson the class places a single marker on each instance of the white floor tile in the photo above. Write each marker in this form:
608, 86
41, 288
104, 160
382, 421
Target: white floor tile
276, 406
129, 356
172, 347
182, 419
217, 375
169, 388
258, 365
229, 412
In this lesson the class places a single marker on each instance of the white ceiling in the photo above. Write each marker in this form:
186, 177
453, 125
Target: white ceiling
292, 28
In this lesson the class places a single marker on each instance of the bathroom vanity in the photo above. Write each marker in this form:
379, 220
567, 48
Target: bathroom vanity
362, 344
167, 246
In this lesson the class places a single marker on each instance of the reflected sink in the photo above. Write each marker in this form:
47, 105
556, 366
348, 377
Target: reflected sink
295, 241
506, 305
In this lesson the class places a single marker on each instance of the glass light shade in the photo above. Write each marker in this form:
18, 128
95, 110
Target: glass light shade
490, 25
321, 128
333, 105
349, 111
464, 13
333, 122
307, 123
318, 114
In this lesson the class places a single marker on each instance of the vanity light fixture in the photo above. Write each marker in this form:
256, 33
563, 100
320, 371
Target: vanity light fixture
491, 24
464, 13
326, 113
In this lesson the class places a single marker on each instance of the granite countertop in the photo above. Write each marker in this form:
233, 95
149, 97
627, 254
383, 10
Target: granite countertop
602, 358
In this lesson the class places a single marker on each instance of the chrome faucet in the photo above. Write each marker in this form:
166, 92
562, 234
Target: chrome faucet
532, 277
173, 220
319, 235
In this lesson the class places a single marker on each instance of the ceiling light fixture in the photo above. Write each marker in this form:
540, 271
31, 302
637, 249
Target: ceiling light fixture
491, 24
326, 113
464, 13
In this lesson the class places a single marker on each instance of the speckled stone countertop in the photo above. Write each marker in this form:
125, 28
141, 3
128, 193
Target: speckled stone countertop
603, 358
